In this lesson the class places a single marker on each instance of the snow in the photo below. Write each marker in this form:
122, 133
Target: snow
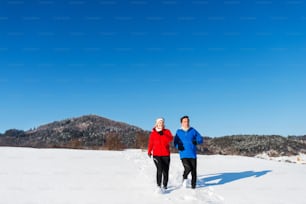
63, 176
299, 159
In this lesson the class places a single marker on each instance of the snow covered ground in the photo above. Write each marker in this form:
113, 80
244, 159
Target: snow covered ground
61, 176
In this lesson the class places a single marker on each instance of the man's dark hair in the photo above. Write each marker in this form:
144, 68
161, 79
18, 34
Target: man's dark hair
185, 116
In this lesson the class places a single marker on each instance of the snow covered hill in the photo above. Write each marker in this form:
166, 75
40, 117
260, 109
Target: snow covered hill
62, 176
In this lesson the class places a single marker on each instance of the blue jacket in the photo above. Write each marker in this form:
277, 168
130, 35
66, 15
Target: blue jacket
186, 141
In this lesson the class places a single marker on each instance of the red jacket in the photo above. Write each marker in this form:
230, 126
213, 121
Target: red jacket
159, 144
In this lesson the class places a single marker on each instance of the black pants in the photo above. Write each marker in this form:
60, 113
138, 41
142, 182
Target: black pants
162, 164
190, 165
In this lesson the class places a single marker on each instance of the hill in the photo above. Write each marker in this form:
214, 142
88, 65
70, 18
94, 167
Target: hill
86, 132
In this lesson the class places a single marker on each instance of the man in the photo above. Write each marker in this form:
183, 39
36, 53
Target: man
185, 141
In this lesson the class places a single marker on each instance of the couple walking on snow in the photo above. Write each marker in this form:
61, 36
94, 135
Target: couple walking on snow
185, 140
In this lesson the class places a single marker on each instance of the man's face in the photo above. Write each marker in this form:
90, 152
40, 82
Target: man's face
185, 123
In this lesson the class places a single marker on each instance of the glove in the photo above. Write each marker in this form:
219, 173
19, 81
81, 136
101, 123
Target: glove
149, 155
194, 142
180, 147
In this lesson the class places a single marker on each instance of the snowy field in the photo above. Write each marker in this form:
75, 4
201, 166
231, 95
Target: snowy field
61, 176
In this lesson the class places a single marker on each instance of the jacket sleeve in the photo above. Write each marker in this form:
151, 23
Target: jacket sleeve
169, 136
150, 144
177, 141
178, 144
199, 138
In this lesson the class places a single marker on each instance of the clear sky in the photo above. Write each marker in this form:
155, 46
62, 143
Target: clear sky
235, 67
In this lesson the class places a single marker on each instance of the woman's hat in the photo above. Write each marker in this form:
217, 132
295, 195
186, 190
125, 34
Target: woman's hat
159, 119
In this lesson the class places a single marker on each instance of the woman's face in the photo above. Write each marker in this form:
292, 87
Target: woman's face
160, 124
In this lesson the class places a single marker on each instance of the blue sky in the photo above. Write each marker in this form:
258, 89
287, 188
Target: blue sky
235, 67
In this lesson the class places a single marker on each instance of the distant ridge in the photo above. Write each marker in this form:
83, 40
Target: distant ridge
252, 145
96, 132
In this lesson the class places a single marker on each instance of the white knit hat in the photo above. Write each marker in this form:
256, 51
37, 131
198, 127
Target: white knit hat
159, 119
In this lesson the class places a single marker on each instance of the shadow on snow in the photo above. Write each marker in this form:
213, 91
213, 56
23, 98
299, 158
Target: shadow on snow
224, 178
221, 178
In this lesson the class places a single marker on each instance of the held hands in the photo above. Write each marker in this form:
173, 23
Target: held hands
149, 155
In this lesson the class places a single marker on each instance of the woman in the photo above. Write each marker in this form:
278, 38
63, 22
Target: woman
159, 147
